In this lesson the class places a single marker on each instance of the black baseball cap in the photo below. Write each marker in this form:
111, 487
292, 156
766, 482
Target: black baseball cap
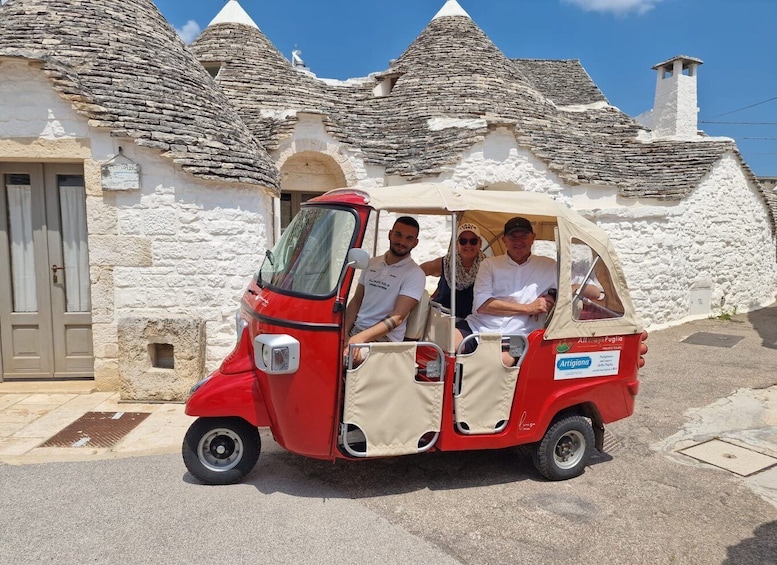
518, 224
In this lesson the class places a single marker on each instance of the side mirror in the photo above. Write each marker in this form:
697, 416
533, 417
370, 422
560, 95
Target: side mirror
358, 258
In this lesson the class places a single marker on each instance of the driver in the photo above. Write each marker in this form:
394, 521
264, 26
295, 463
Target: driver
389, 288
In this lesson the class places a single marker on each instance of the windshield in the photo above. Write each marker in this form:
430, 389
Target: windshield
310, 255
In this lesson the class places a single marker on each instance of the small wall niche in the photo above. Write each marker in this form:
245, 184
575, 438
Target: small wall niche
162, 355
160, 358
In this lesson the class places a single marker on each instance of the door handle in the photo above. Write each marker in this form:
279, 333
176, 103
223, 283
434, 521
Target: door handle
54, 270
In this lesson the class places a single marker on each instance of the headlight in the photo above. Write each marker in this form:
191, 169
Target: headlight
199, 384
276, 354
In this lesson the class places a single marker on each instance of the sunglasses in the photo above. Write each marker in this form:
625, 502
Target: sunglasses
471, 241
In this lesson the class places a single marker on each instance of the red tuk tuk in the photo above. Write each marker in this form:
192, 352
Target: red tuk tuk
288, 372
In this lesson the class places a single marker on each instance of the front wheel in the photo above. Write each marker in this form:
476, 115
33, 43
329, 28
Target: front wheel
565, 449
221, 451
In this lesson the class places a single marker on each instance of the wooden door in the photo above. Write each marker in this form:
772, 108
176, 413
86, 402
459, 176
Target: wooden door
45, 305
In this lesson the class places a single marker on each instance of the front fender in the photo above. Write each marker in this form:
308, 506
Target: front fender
230, 395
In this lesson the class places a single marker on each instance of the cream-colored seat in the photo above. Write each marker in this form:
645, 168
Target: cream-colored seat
384, 400
484, 388
416, 320
439, 329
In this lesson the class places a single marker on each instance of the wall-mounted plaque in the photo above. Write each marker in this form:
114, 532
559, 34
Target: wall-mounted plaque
120, 173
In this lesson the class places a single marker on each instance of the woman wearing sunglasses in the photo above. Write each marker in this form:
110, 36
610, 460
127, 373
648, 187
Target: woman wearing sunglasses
468, 243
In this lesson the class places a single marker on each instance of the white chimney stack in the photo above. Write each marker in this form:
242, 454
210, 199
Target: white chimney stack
675, 111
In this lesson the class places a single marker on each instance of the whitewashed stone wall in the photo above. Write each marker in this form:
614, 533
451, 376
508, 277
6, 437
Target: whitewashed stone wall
29, 108
178, 247
710, 253
717, 238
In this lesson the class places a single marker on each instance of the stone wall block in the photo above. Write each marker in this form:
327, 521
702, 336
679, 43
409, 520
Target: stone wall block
160, 358
125, 251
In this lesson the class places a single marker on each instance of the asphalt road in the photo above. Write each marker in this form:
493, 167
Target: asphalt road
637, 504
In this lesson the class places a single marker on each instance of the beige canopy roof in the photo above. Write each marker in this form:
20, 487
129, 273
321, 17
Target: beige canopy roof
491, 209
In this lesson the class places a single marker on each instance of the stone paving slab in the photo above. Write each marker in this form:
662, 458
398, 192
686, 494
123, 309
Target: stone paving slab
731, 457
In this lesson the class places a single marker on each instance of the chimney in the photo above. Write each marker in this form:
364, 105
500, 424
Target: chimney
675, 111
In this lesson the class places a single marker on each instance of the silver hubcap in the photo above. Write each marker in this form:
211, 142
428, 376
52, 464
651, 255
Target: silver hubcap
569, 450
220, 449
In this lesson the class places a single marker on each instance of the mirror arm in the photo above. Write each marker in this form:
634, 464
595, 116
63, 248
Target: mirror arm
340, 301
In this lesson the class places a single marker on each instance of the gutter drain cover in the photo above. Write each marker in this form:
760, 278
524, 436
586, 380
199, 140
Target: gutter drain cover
97, 429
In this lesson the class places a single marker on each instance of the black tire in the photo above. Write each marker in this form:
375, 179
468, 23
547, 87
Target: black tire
564, 450
221, 451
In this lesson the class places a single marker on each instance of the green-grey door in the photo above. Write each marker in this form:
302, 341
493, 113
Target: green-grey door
45, 304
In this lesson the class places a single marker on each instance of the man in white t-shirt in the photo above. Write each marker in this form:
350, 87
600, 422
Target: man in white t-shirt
389, 288
511, 290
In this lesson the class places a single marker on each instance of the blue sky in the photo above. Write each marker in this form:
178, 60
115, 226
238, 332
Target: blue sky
617, 41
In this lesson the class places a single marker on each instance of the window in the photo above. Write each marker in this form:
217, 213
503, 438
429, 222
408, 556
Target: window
213, 68
290, 205
593, 292
310, 255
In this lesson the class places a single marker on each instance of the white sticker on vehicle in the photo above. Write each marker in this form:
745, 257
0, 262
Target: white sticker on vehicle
584, 365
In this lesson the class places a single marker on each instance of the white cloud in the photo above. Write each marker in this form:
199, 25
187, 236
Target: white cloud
189, 31
620, 7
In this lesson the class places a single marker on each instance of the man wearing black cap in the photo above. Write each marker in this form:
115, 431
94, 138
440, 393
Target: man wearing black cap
511, 290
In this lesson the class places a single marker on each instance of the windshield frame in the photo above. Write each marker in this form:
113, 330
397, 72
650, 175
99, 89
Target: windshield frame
279, 279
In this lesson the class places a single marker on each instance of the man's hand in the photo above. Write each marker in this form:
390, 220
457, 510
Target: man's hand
542, 305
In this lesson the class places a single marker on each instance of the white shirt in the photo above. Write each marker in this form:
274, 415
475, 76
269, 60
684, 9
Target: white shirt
383, 283
501, 277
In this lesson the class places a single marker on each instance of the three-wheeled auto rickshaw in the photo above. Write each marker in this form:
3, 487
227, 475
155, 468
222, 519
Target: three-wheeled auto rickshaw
288, 370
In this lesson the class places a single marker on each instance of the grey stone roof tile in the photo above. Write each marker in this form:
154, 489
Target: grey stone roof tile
565, 82
123, 67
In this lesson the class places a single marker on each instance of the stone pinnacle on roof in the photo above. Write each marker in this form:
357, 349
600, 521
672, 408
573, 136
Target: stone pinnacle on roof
451, 8
233, 13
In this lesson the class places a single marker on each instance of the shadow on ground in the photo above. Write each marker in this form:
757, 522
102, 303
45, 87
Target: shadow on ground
764, 321
295, 475
757, 550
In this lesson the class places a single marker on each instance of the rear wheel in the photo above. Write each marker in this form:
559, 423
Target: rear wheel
221, 451
565, 449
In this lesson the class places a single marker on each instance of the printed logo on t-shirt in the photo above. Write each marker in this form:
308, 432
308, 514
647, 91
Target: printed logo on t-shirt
382, 285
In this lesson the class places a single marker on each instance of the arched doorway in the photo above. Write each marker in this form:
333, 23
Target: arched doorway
304, 176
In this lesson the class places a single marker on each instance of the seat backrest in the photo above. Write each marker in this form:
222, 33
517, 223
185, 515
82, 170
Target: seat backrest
416, 320
439, 329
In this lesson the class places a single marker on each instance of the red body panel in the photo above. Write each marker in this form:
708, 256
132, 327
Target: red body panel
230, 395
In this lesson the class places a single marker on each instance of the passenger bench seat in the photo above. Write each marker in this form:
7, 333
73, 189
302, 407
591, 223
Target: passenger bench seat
416, 320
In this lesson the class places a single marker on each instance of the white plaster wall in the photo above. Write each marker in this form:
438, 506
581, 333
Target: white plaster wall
29, 108
204, 241
718, 235
177, 246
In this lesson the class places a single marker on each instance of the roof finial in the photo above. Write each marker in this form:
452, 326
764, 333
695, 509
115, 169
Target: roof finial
233, 13
451, 8
296, 58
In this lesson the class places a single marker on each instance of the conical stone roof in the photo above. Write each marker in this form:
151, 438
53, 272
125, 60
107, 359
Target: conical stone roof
122, 66
258, 80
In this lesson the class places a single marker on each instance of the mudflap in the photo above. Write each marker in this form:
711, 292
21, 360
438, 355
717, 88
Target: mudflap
231, 395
